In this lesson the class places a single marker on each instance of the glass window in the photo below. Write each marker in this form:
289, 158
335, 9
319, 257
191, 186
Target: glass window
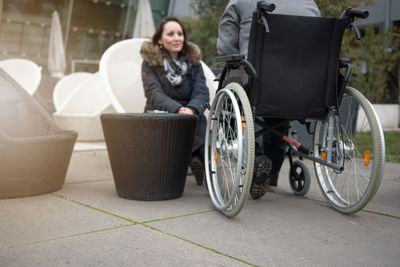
25, 27
94, 26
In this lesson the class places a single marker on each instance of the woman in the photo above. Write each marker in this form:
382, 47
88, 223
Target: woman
174, 81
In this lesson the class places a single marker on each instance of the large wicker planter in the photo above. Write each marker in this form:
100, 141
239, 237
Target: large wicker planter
34, 165
34, 152
149, 153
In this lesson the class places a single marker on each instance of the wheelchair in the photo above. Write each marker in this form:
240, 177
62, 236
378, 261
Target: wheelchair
294, 72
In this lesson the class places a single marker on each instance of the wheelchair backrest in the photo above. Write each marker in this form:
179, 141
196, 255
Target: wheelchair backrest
297, 64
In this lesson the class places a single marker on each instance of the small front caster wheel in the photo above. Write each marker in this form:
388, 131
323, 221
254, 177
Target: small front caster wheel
299, 178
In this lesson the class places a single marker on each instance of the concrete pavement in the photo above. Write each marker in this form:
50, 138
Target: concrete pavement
87, 224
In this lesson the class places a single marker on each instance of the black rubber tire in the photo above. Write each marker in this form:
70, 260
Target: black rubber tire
299, 178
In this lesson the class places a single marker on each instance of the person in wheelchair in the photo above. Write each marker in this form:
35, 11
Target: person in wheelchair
292, 72
233, 38
174, 81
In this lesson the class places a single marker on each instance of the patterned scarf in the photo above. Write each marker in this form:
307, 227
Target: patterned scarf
176, 70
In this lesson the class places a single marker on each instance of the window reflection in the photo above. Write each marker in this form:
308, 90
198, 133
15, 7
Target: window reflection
94, 26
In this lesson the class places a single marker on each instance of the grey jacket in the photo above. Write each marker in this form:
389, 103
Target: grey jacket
234, 28
160, 94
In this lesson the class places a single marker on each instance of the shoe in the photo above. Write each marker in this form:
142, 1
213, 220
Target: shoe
197, 167
260, 183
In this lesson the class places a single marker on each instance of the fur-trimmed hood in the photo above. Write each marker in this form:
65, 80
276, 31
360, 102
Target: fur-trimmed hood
154, 56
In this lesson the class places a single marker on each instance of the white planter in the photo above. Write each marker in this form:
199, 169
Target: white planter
389, 115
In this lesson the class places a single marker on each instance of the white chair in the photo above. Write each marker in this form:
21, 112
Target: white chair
211, 84
67, 86
26, 72
81, 110
120, 67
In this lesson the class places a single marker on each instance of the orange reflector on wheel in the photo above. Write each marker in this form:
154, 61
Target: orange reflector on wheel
367, 157
324, 155
242, 123
216, 156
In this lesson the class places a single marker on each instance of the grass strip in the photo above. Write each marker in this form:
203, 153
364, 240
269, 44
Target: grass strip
90, 181
177, 217
75, 235
198, 245
85, 233
382, 214
94, 208
363, 210
392, 140
145, 225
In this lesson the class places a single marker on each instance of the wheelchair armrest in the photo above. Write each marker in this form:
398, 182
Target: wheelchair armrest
218, 77
249, 68
343, 62
343, 79
230, 58
233, 62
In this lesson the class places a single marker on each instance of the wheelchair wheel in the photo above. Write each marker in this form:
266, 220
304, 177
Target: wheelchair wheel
229, 149
361, 153
299, 178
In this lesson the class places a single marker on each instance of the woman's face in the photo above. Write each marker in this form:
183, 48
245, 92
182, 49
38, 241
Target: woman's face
172, 38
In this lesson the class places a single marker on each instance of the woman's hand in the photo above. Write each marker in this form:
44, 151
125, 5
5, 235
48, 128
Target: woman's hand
184, 110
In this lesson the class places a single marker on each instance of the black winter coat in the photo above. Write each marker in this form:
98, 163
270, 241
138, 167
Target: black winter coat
161, 95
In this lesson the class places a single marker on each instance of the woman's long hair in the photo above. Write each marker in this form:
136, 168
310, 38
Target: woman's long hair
158, 33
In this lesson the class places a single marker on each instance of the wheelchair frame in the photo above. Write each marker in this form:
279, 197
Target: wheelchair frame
230, 135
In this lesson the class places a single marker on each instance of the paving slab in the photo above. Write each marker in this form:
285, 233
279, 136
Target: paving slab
134, 245
89, 166
27, 220
87, 223
293, 231
386, 200
103, 195
90, 146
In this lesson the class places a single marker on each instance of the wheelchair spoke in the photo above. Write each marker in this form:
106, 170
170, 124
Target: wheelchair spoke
229, 139
350, 190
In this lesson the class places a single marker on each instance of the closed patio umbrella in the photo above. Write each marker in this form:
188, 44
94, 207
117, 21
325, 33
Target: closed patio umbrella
144, 23
56, 58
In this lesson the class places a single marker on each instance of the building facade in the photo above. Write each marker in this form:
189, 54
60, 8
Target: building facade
384, 14
89, 26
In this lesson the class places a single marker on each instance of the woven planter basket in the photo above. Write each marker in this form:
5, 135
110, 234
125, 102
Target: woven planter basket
149, 153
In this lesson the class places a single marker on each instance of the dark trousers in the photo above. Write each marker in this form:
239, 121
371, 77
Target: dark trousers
273, 146
199, 137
